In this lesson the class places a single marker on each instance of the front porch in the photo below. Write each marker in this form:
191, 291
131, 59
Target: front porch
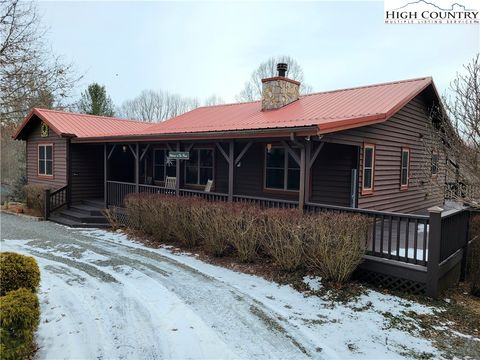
276, 172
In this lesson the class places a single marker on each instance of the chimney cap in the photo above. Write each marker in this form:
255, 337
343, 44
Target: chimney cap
282, 69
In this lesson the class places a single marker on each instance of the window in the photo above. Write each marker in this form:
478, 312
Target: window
162, 165
434, 164
45, 160
281, 170
405, 168
199, 168
368, 168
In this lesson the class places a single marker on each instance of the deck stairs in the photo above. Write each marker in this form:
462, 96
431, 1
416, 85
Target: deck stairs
87, 214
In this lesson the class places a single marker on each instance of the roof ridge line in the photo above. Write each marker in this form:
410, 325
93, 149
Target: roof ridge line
368, 86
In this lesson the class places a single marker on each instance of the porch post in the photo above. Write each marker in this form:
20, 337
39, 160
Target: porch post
308, 156
105, 192
301, 192
231, 165
177, 174
137, 167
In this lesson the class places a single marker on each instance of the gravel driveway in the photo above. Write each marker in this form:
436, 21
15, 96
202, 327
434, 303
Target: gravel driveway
106, 297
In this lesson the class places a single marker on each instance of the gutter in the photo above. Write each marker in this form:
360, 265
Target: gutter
274, 132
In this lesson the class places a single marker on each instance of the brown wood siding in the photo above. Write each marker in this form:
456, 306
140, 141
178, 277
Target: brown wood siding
404, 129
86, 166
249, 177
331, 174
34, 138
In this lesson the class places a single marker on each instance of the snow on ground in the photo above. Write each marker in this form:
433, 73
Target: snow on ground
105, 296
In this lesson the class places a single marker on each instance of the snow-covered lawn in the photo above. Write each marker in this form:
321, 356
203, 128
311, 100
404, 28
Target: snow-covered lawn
105, 296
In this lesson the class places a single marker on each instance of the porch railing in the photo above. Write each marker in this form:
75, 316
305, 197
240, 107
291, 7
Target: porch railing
402, 237
117, 191
266, 202
210, 196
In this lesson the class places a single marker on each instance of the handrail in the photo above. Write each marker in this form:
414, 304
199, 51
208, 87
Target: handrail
258, 198
367, 211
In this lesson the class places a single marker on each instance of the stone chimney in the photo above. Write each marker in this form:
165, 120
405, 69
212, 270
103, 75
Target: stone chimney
279, 91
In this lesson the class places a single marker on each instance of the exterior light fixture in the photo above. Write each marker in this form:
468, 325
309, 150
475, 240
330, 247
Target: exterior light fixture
124, 148
269, 148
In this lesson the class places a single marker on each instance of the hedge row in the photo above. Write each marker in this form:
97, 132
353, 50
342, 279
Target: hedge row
330, 244
19, 306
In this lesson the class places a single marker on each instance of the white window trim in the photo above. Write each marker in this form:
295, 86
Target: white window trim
368, 190
402, 167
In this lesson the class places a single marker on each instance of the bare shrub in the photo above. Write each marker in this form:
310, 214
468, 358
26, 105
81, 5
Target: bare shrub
34, 195
214, 225
246, 231
112, 218
283, 237
151, 214
186, 220
335, 244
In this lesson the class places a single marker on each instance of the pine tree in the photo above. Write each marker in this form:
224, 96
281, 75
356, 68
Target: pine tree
95, 101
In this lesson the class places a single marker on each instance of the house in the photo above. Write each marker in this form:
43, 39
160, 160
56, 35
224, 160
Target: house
360, 147
359, 150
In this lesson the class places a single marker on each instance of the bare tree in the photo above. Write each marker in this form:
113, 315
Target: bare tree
455, 132
29, 76
213, 100
28, 70
253, 88
156, 106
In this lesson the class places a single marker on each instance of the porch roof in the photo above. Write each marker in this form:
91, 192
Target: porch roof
315, 114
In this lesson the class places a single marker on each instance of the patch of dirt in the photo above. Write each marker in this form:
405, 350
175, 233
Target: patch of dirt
20, 208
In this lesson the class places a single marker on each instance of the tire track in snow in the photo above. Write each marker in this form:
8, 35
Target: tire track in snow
231, 317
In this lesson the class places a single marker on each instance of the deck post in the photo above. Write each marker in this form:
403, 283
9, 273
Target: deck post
231, 166
177, 173
433, 262
105, 167
137, 167
301, 192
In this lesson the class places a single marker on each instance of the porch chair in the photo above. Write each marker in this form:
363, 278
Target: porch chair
209, 185
170, 184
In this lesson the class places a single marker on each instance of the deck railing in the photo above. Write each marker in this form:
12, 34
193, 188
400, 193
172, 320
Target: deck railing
402, 237
426, 249
454, 232
457, 191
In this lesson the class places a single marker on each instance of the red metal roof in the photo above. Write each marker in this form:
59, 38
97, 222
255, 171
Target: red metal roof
81, 125
325, 111
330, 111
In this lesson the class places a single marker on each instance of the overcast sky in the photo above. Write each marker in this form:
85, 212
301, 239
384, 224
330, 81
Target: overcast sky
202, 48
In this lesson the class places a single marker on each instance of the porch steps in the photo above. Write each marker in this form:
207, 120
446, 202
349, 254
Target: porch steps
87, 214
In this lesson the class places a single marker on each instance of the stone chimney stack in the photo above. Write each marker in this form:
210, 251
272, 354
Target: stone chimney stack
279, 91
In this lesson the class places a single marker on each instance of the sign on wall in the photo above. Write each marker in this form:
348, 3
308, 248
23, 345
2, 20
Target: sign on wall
44, 130
179, 155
